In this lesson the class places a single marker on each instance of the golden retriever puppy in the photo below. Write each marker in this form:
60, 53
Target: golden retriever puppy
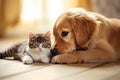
82, 36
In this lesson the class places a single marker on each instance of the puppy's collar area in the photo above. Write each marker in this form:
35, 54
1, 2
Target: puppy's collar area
82, 49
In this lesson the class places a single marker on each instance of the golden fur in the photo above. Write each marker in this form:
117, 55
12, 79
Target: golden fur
100, 35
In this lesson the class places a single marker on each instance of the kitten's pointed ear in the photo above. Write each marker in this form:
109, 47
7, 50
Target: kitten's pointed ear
31, 35
47, 35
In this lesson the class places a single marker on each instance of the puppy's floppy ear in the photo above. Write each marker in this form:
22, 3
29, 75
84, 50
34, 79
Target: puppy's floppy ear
83, 29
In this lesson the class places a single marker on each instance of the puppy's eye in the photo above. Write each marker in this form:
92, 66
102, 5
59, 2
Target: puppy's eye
64, 33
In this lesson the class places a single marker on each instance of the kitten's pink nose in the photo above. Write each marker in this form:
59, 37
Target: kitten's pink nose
40, 48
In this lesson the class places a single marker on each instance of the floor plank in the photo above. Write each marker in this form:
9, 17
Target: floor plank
20, 71
13, 68
109, 71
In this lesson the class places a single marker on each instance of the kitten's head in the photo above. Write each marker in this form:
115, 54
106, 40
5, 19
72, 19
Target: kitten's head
37, 41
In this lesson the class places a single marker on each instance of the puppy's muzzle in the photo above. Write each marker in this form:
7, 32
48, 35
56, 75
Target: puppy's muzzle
54, 52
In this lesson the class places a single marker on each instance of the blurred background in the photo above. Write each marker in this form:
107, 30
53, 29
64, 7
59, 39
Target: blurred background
19, 17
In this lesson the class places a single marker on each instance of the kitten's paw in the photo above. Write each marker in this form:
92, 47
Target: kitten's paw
45, 60
27, 60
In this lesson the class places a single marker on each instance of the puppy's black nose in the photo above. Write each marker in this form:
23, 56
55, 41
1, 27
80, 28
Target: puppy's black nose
54, 52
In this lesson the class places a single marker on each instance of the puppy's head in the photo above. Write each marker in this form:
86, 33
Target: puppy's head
73, 30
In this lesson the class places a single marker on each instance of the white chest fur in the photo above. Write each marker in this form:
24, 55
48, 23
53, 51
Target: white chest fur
38, 55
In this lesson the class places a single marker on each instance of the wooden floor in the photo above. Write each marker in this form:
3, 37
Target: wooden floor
15, 70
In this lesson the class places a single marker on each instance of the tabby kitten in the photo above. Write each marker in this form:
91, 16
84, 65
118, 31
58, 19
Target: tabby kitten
37, 48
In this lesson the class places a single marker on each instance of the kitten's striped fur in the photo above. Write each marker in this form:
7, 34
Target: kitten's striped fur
13, 51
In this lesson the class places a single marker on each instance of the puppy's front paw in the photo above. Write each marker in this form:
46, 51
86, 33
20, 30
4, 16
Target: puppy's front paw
64, 58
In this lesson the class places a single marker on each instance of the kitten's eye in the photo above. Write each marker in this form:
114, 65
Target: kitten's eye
64, 33
44, 45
